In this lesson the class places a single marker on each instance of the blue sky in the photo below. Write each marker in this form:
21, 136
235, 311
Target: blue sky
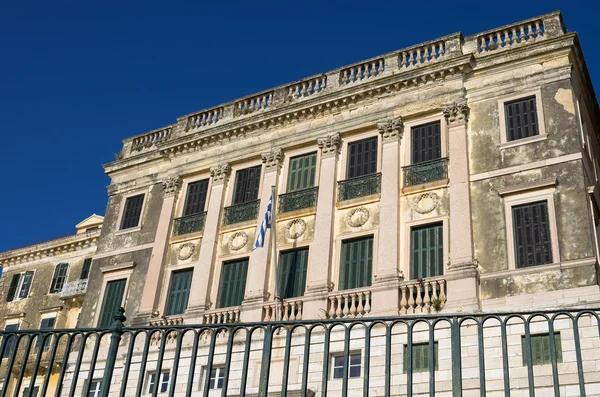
78, 77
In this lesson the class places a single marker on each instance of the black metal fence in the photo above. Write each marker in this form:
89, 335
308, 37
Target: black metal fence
475, 354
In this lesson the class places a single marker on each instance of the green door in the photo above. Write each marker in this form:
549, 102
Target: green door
113, 297
427, 251
357, 263
302, 172
179, 293
292, 273
233, 283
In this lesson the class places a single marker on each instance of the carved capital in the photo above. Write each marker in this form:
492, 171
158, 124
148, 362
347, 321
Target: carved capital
456, 113
171, 185
272, 160
329, 145
391, 130
220, 173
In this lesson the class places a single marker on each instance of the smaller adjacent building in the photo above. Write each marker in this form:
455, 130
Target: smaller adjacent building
42, 287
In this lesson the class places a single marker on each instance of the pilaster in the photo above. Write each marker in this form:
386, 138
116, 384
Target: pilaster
462, 275
319, 257
150, 294
258, 266
204, 269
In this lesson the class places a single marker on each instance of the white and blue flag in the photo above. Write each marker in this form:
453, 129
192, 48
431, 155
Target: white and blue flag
266, 224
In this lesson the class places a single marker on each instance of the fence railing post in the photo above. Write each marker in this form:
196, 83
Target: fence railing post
115, 340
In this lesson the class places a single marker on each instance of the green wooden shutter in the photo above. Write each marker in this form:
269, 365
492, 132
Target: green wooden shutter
531, 234
113, 296
10, 340
420, 357
47, 323
12, 290
247, 182
85, 269
302, 172
521, 118
540, 349
132, 212
292, 273
357, 263
233, 283
426, 142
179, 294
362, 158
59, 278
427, 251
196, 197
26, 284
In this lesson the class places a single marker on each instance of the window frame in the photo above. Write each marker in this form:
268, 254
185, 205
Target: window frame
19, 288
406, 152
89, 269
342, 170
233, 176
13, 339
558, 346
48, 343
340, 257
95, 392
184, 192
219, 375
405, 249
420, 370
218, 280
113, 273
170, 275
157, 382
288, 156
124, 198
53, 289
288, 250
504, 142
424, 225
519, 198
351, 354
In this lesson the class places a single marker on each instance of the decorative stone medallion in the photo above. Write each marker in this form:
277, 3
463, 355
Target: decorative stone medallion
185, 251
237, 241
358, 217
426, 202
295, 228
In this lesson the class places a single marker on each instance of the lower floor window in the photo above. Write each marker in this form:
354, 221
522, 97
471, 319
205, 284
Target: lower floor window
216, 378
540, 349
94, 388
163, 382
353, 368
427, 251
421, 357
357, 263
34, 392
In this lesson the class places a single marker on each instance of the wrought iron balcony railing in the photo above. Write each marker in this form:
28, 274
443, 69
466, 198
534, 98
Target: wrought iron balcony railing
189, 224
72, 289
359, 187
241, 212
298, 200
428, 171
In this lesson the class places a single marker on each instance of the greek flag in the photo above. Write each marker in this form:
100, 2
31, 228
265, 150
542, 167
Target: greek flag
266, 223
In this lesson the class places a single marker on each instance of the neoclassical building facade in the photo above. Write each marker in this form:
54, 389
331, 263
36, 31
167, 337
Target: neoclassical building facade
460, 174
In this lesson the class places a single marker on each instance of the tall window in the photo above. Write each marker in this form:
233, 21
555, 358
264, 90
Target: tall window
215, 380
362, 158
113, 297
426, 141
531, 234
357, 263
19, 286
247, 182
196, 197
46, 324
179, 292
420, 357
292, 273
302, 172
59, 278
540, 349
10, 340
85, 269
95, 388
353, 369
427, 251
233, 283
163, 382
132, 212
521, 118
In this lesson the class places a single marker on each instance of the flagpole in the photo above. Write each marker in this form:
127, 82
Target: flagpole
274, 237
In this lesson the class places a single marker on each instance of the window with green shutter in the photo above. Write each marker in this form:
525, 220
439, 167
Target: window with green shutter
59, 278
521, 118
46, 324
362, 158
113, 297
12, 289
233, 283
292, 273
132, 211
247, 182
302, 172
179, 292
540, 349
85, 269
195, 198
531, 229
357, 263
421, 357
427, 251
426, 142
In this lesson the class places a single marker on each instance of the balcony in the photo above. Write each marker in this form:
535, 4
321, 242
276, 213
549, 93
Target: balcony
359, 187
189, 224
225, 315
422, 295
349, 303
287, 310
73, 289
428, 171
239, 213
298, 200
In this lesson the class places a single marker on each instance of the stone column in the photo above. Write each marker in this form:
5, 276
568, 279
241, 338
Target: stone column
203, 270
154, 275
387, 276
462, 275
259, 271
320, 254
